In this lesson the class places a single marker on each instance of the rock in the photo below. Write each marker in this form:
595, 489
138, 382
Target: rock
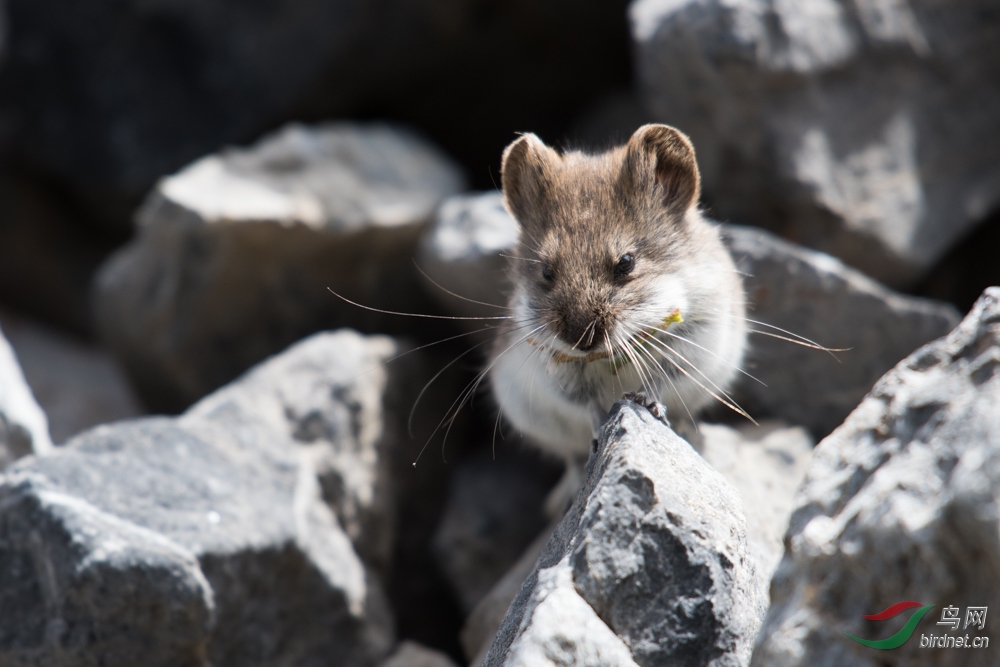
815, 296
863, 129
215, 522
899, 503
766, 464
412, 654
78, 385
82, 587
462, 253
649, 566
23, 427
334, 398
235, 253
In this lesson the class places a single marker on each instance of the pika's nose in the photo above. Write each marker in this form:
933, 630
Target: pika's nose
582, 333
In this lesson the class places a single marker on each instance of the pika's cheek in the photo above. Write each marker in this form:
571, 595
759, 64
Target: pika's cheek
664, 295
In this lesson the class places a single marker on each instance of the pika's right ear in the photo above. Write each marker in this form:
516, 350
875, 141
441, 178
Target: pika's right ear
526, 174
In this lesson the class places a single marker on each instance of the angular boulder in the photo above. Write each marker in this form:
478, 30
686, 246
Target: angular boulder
766, 465
24, 428
234, 254
650, 565
796, 293
899, 503
863, 129
336, 400
206, 539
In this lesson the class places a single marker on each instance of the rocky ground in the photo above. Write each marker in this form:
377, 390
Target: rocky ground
210, 456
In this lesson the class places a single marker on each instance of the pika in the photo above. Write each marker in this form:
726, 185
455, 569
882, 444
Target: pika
619, 285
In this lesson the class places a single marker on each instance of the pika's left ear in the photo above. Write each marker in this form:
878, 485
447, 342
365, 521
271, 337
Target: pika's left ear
660, 161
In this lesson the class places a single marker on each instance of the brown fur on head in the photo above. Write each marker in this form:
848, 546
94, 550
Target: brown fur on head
582, 217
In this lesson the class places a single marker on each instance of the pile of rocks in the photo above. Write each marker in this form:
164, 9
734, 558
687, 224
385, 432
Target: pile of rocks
318, 497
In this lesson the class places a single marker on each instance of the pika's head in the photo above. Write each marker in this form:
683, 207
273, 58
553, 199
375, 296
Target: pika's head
603, 238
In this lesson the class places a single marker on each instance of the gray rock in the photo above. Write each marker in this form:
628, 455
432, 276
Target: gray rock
215, 523
462, 253
899, 503
24, 428
412, 654
81, 587
334, 398
650, 566
235, 253
864, 129
494, 511
766, 464
817, 297
78, 385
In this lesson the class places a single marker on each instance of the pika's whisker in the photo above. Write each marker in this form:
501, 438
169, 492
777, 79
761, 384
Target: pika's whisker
413, 409
449, 416
727, 401
705, 349
457, 296
666, 375
810, 345
421, 315
593, 323
523, 259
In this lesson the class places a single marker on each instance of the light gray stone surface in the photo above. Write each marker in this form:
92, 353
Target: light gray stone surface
24, 428
205, 539
815, 296
766, 464
333, 398
234, 254
899, 503
78, 385
650, 565
865, 129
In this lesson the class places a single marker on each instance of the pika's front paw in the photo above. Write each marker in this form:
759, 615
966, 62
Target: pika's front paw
657, 409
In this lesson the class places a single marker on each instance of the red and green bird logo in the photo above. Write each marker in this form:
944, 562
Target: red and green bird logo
904, 633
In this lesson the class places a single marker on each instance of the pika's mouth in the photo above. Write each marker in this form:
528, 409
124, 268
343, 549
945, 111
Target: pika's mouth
620, 357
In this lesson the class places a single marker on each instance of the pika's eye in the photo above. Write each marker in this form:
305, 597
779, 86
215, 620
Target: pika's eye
547, 274
624, 265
